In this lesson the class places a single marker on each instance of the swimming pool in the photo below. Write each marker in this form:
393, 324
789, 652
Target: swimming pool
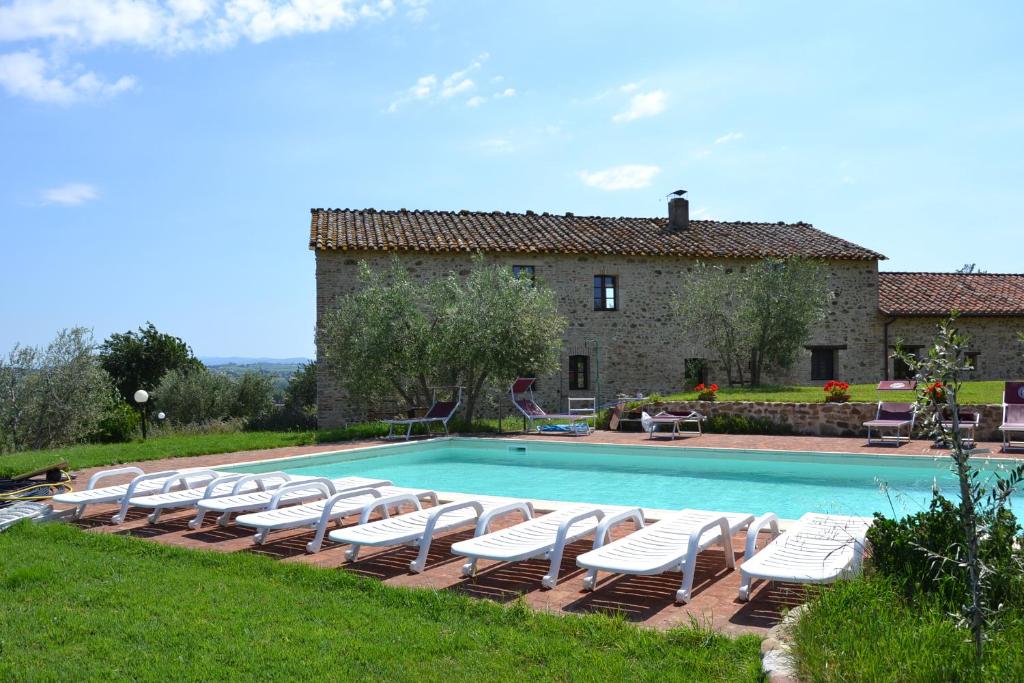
786, 483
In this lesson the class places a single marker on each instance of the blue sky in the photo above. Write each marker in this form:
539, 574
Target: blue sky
160, 158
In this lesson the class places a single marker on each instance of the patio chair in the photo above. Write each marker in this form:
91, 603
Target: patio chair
1013, 414
440, 413
154, 482
580, 418
419, 528
819, 548
332, 508
891, 416
208, 487
300, 490
543, 537
672, 421
671, 544
969, 421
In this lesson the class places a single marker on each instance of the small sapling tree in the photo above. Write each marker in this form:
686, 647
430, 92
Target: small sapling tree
941, 370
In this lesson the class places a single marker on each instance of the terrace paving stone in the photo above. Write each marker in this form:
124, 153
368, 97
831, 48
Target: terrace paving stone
648, 601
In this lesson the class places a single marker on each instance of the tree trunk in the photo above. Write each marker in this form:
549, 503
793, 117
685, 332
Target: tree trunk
472, 394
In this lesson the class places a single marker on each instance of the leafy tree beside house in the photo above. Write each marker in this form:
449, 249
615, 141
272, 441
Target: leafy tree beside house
395, 337
755, 319
139, 360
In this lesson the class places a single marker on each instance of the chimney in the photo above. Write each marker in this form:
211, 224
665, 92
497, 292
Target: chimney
678, 211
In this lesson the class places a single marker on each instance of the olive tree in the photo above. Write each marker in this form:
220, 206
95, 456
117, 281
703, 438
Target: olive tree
52, 396
491, 327
942, 369
755, 318
377, 341
394, 337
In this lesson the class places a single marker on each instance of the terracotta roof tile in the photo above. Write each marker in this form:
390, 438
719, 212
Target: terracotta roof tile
940, 293
504, 232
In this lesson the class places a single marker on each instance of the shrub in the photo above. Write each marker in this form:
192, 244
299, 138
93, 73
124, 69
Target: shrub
741, 424
117, 425
905, 551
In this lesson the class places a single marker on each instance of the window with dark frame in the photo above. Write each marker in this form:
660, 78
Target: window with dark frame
606, 293
901, 370
823, 363
579, 373
521, 272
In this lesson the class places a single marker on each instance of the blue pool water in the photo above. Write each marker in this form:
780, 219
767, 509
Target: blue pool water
788, 484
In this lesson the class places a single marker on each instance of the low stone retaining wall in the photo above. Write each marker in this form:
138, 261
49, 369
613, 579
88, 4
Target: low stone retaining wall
825, 419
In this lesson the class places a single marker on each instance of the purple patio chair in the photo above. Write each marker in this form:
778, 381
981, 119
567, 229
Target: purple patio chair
440, 413
1013, 414
969, 420
893, 416
525, 402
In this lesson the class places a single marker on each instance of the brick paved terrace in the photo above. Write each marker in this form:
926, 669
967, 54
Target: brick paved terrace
646, 600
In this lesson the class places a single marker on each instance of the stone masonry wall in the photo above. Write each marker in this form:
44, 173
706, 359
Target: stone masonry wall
826, 419
1001, 353
641, 348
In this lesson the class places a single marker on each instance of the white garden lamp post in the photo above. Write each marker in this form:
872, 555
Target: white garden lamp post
141, 397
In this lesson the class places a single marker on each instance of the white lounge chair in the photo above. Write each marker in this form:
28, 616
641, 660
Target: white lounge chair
671, 544
333, 507
154, 482
212, 487
650, 423
543, 537
418, 528
292, 493
817, 549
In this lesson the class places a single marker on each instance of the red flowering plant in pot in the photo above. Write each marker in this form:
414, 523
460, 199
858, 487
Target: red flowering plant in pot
706, 392
936, 393
836, 391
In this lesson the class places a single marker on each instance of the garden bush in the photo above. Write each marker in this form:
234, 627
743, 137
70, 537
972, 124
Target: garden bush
741, 424
905, 551
118, 424
199, 396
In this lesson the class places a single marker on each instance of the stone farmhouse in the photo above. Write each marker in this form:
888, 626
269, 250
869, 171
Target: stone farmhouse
614, 279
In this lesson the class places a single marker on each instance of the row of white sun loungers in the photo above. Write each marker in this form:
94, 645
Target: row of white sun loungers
816, 549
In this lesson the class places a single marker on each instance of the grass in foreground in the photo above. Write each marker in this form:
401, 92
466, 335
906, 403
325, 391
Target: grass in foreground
862, 630
974, 393
88, 606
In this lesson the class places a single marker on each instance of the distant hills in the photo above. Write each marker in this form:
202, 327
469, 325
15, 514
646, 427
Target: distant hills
278, 369
211, 361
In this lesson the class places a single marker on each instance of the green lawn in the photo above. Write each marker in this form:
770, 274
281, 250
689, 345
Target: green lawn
87, 606
176, 445
862, 630
972, 393
182, 445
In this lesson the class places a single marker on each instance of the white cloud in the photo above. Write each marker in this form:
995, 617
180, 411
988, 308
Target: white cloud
629, 87
182, 24
643, 105
26, 74
71, 194
728, 137
64, 26
626, 177
431, 88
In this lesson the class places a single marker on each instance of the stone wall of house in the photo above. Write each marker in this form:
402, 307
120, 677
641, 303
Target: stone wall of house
638, 348
995, 339
825, 419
